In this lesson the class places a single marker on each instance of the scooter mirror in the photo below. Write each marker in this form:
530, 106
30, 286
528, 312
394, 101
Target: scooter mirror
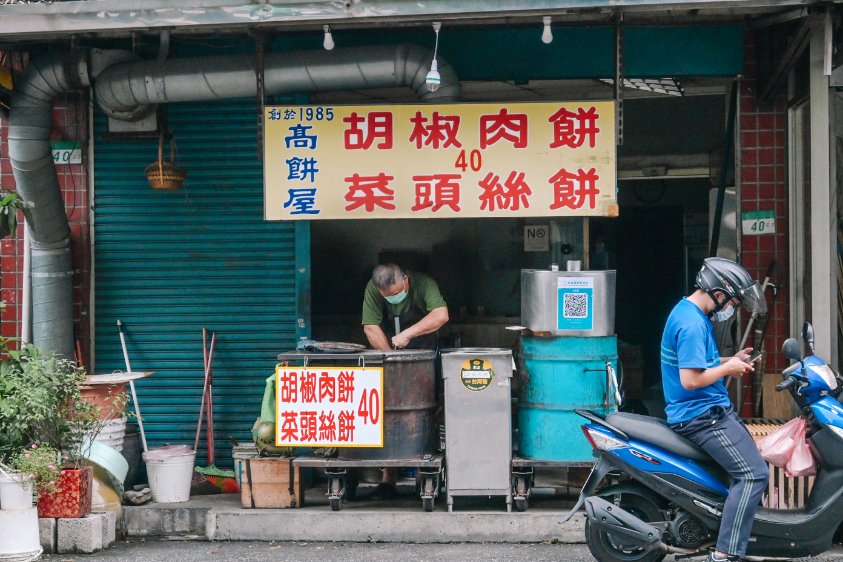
808, 335
791, 349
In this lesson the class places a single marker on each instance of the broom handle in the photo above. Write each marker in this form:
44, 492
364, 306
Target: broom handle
204, 387
132, 386
209, 429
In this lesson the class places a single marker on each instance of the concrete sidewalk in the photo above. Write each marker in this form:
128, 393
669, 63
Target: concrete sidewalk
475, 519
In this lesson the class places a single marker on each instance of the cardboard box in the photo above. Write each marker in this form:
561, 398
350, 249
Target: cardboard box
271, 482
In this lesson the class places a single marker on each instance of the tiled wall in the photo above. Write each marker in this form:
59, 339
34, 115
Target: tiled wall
763, 186
70, 122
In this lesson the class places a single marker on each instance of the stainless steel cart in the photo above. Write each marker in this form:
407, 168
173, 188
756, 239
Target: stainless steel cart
343, 486
523, 471
478, 422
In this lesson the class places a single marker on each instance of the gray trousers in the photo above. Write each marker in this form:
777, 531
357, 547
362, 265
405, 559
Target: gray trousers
723, 436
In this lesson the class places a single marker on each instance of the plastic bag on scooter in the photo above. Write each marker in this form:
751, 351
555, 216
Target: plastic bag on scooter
778, 447
801, 462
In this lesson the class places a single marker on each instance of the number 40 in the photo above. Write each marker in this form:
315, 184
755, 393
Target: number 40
369, 408
474, 161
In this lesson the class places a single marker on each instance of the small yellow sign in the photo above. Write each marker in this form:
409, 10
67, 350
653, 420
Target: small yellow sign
476, 374
440, 161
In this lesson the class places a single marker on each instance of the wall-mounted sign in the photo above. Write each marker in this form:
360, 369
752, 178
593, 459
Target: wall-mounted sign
537, 238
758, 222
66, 152
440, 161
329, 406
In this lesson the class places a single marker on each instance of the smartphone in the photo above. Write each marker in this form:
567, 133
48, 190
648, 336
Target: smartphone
754, 356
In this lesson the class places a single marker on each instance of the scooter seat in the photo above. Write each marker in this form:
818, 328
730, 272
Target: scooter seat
657, 432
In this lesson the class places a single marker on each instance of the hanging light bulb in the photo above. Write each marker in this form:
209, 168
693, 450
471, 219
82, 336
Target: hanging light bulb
433, 80
547, 34
328, 42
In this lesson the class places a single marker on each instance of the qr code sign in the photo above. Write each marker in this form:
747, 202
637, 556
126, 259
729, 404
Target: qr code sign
575, 305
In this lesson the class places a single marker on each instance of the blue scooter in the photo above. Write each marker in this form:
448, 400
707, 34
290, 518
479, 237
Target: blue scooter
664, 495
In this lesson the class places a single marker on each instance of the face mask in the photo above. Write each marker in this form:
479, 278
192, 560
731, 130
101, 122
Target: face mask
723, 315
397, 297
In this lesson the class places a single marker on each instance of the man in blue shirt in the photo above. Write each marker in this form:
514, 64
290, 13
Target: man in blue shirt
698, 405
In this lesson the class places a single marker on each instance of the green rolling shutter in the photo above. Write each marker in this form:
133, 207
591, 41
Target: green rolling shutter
169, 263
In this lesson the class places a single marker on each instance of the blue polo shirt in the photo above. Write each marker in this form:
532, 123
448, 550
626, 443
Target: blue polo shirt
688, 343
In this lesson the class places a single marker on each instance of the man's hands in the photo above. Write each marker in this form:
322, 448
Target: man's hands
744, 354
735, 366
740, 363
401, 340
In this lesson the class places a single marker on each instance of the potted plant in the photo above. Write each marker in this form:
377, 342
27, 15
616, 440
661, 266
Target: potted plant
10, 204
35, 468
41, 401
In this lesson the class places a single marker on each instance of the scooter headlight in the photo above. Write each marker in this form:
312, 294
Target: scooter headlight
603, 441
826, 374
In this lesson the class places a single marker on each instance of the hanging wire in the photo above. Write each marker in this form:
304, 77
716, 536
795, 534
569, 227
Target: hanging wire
436, 27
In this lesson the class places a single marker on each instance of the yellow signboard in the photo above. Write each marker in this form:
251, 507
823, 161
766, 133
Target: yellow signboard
440, 161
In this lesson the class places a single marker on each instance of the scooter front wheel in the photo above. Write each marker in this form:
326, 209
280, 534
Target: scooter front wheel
606, 548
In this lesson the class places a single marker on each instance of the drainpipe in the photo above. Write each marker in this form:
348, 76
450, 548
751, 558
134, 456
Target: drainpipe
30, 122
26, 291
128, 89
125, 91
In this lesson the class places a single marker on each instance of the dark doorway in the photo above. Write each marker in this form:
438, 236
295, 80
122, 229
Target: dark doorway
647, 246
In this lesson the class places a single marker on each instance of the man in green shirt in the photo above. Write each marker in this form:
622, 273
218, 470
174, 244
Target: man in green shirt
411, 298
401, 309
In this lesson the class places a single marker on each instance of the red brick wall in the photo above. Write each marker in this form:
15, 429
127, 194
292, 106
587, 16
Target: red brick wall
762, 169
70, 122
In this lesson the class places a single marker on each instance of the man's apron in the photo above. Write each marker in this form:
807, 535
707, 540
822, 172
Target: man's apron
409, 318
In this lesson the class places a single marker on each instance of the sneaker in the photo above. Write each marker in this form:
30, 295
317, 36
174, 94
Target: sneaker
712, 558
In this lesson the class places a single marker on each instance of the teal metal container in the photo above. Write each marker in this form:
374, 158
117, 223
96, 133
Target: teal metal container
557, 376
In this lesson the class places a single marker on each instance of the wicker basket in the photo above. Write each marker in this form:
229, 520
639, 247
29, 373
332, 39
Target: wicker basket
165, 176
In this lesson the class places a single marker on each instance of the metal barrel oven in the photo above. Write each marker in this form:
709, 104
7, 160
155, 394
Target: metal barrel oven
409, 379
559, 375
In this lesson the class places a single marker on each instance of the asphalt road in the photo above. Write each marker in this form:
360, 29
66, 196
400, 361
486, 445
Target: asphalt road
149, 550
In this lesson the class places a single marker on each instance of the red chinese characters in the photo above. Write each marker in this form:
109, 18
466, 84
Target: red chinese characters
327, 427
440, 131
511, 195
436, 191
322, 390
363, 131
369, 192
511, 127
574, 129
573, 190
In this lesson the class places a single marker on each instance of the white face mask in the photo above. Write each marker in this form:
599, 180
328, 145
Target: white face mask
723, 315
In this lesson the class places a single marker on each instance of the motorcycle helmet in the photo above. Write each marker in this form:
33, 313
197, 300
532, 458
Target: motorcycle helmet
729, 278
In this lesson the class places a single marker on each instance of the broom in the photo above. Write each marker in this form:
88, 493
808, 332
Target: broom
210, 479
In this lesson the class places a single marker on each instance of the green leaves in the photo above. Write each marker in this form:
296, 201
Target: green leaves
40, 402
10, 204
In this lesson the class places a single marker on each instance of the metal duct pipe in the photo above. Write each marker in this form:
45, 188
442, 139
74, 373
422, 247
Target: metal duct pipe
126, 90
30, 123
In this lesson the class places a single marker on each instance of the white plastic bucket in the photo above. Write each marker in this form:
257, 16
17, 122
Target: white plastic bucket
19, 539
113, 433
14, 495
169, 478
